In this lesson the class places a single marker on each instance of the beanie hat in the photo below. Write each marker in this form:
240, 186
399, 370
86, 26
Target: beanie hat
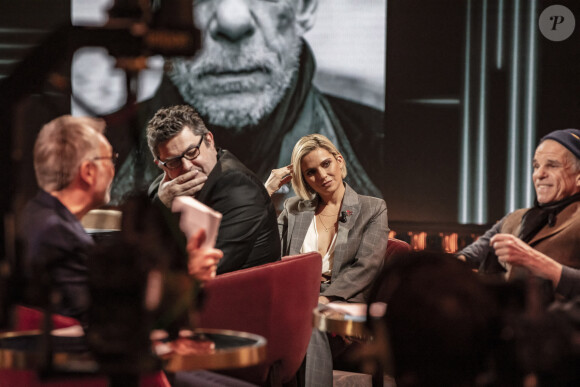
569, 138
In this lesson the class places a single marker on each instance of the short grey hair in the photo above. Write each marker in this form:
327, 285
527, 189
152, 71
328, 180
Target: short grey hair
60, 148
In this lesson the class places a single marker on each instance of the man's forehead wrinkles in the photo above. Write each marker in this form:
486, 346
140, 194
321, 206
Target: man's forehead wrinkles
551, 155
550, 160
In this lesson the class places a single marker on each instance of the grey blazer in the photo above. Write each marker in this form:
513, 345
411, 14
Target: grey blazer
361, 242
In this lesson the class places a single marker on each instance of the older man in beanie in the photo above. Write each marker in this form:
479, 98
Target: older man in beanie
545, 239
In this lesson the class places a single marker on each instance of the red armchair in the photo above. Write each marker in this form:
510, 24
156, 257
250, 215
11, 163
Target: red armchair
396, 247
273, 300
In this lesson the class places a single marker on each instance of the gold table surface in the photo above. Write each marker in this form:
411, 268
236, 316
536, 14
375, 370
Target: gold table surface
332, 321
230, 349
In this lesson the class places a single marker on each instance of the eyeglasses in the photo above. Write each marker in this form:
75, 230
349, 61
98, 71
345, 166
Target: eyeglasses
113, 158
190, 154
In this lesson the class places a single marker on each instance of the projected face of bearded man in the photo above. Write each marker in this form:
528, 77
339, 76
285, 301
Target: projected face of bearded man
250, 55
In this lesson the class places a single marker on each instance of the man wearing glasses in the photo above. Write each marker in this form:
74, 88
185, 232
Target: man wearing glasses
74, 165
185, 150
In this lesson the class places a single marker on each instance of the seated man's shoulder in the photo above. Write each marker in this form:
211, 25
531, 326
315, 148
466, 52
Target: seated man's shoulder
230, 163
234, 172
39, 220
239, 188
52, 238
240, 177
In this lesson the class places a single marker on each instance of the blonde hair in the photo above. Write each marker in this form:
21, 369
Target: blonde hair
303, 147
61, 147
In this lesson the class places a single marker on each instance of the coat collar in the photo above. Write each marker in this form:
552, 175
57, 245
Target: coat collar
351, 210
563, 220
350, 207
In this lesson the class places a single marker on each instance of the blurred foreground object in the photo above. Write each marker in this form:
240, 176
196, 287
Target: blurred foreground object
135, 30
138, 282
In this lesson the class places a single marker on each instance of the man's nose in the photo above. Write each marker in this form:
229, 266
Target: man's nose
186, 164
540, 172
233, 20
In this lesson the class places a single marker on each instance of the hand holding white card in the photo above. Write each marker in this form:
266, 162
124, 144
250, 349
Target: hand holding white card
196, 215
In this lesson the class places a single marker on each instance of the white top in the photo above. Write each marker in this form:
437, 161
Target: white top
311, 244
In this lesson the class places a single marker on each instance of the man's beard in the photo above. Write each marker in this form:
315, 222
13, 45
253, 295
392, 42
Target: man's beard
235, 89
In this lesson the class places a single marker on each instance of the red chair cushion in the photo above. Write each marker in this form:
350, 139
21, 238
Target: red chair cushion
396, 247
275, 301
27, 319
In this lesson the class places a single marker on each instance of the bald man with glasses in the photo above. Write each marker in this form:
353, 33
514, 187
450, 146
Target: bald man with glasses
74, 166
185, 150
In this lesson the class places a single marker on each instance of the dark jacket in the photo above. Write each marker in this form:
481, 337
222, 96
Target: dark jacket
56, 248
560, 242
248, 233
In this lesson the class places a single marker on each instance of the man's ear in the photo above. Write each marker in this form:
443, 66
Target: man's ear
306, 14
209, 139
88, 172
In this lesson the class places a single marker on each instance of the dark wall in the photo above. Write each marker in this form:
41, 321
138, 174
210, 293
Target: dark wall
425, 42
426, 60
23, 25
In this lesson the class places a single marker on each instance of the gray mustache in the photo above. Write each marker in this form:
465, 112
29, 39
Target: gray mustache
216, 64
218, 70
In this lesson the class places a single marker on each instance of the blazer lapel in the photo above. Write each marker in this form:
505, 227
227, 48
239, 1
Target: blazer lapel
350, 205
298, 225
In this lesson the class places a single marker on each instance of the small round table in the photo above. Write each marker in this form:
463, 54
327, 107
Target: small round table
230, 349
225, 349
332, 321
23, 350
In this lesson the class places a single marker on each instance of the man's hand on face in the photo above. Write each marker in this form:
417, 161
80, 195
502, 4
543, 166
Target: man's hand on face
187, 184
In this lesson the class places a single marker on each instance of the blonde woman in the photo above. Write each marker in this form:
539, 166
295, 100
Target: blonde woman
350, 231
